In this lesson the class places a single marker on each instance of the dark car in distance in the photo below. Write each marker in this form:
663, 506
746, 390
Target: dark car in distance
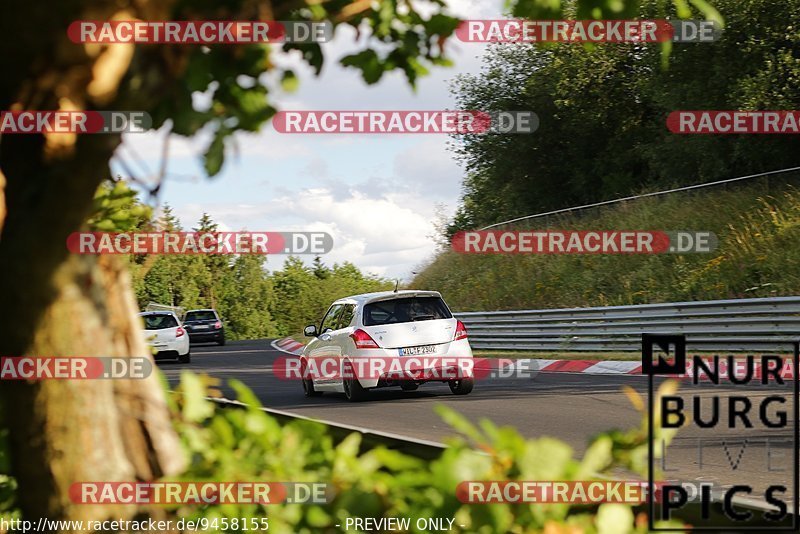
204, 325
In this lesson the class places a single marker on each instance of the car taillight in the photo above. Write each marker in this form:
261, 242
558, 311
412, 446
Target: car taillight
179, 332
461, 331
363, 340
218, 325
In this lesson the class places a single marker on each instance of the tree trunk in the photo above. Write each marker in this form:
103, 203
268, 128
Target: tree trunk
56, 304
68, 431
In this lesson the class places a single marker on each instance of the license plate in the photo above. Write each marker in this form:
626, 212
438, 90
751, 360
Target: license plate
417, 351
201, 326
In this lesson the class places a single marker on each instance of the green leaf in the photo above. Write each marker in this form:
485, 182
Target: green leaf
682, 9
397, 461
614, 519
349, 446
196, 407
709, 12
317, 517
105, 225
244, 394
290, 82
442, 25
215, 153
459, 423
369, 64
597, 458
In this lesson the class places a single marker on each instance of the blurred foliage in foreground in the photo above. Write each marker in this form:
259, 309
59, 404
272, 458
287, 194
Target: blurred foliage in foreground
248, 444
758, 230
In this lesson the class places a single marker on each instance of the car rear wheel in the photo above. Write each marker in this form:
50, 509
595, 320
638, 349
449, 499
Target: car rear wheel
221, 340
352, 387
185, 358
308, 383
461, 386
409, 386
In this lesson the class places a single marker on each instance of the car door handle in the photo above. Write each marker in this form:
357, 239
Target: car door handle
325, 337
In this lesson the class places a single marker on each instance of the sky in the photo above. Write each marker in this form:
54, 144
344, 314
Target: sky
377, 195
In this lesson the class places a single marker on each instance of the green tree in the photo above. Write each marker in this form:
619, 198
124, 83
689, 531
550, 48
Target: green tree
298, 299
603, 114
214, 266
320, 271
247, 305
168, 221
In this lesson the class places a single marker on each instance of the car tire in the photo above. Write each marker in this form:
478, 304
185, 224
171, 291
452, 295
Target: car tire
461, 386
409, 386
221, 340
308, 384
185, 358
352, 387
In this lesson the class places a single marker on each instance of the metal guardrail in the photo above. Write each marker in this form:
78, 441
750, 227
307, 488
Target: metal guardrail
725, 325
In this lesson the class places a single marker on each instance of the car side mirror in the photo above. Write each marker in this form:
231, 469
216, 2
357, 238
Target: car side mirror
310, 330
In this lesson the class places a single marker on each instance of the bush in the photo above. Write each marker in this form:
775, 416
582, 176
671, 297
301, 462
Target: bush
230, 444
248, 444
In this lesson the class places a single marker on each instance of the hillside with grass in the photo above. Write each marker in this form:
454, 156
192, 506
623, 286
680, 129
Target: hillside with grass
758, 227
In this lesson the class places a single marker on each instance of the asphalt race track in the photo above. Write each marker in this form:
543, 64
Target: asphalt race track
571, 407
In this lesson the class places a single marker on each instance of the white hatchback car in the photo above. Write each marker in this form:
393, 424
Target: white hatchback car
371, 340
165, 334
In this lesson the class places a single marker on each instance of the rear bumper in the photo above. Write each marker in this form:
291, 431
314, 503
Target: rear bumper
207, 335
450, 361
166, 355
172, 349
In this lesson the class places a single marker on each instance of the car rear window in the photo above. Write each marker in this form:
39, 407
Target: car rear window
200, 316
157, 322
405, 310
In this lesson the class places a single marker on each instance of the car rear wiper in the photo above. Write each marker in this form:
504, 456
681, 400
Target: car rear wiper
423, 317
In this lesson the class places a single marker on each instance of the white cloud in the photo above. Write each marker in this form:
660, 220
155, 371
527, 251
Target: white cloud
386, 235
429, 168
377, 195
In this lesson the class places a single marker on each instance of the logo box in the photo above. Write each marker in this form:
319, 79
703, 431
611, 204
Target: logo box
750, 413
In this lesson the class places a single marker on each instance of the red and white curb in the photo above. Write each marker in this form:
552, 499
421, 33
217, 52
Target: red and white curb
589, 367
288, 345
